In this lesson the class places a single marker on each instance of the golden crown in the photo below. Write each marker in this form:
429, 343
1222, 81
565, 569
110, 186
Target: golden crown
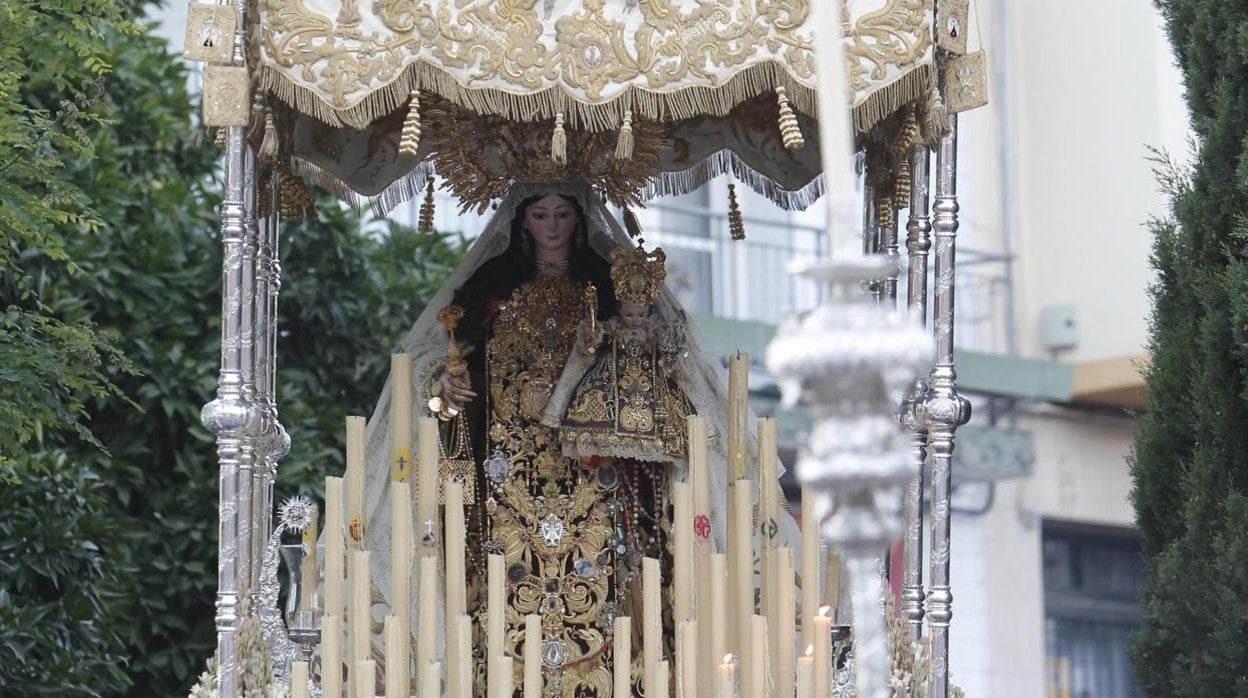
637, 275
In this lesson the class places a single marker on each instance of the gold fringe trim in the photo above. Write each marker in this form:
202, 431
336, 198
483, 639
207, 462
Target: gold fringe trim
682, 104
559, 142
409, 140
631, 224
538, 106
790, 132
624, 146
913, 86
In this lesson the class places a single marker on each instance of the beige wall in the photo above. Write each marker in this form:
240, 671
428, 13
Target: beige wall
1081, 475
1085, 88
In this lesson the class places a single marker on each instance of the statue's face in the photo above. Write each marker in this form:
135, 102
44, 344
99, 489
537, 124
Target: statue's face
633, 315
551, 221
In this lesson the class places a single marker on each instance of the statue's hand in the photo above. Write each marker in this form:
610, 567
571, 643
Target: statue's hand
456, 390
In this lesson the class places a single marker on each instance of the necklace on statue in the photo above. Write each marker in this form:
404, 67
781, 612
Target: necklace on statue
545, 268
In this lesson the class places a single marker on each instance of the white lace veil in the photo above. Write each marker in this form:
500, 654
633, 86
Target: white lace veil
705, 379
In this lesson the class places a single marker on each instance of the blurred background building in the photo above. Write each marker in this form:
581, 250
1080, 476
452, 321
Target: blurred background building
1056, 190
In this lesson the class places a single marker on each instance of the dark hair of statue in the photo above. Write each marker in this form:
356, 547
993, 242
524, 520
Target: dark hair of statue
502, 275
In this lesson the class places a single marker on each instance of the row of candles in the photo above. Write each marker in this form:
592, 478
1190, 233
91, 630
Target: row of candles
713, 593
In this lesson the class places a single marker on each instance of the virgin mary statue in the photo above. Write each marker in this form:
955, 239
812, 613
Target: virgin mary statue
572, 530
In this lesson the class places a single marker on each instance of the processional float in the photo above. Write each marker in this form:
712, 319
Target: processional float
371, 99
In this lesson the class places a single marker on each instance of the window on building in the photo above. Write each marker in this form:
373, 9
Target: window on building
1092, 582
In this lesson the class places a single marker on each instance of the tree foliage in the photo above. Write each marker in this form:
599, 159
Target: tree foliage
109, 573
1190, 462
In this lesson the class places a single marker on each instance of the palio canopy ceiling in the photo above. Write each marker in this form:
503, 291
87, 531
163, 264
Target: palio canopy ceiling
697, 80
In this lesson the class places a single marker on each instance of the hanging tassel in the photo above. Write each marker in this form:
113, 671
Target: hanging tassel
409, 141
631, 223
736, 226
426, 210
624, 146
268, 146
219, 139
790, 132
559, 142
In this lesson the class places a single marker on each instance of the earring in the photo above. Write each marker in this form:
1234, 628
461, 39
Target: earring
526, 245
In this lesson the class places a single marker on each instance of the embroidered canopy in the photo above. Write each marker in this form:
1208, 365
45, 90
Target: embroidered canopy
495, 88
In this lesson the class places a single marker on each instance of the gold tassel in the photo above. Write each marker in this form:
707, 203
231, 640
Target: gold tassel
409, 141
268, 146
219, 139
559, 142
736, 226
426, 210
631, 224
624, 146
900, 149
295, 202
790, 132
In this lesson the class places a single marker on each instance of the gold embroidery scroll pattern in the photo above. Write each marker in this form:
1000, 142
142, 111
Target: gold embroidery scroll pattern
893, 36
505, 41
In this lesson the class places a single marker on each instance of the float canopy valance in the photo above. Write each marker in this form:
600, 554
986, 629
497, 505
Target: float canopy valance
695, 81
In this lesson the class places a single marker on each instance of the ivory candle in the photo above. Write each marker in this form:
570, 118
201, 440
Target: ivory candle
781, 625
427, 486
687, 661
308, 573
623, 670
806, 674
426, 641
456, 546
810, 565
400, 416
506, 677
768, 497
355, 481
358, 622
823, 652
738, 401
532, 656
725, 678
461, 661
742, 578
298, 680
401, 560
396, 660
334, 547
365, 678
331, 656
832, 581
699, 480
682, 563
431, 680
495, 616
758, 660
652, 624
831, 101
662, 678
718, 609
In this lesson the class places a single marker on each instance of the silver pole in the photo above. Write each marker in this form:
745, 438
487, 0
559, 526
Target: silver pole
273, 442
230, 416
918, 242
944, 410
888, 245
248, 569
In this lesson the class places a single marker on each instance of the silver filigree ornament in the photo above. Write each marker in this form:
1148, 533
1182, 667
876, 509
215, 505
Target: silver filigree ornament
295, 514
551, 529
849, 361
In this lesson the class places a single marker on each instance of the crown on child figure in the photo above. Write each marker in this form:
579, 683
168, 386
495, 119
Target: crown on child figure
637, 275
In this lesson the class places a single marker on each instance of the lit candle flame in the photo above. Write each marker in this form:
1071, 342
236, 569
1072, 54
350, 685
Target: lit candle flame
810, 650
728, 658
825, 611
